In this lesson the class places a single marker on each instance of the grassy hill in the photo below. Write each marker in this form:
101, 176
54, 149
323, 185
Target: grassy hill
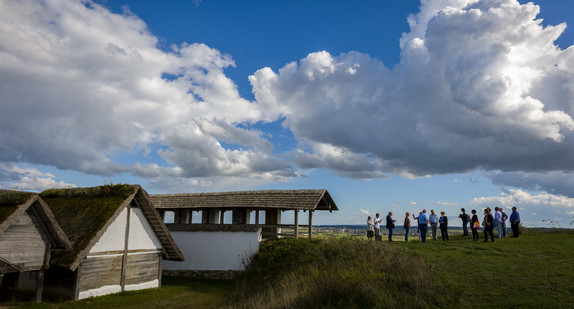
533, 271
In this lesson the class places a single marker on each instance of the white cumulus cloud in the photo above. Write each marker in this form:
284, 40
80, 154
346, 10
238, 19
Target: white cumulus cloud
480, 85
81, 86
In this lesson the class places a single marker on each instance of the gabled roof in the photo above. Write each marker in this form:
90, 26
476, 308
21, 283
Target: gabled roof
318, 199
14, 203
86, 213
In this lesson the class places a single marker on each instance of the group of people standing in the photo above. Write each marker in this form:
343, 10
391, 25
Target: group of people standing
489, 223
374, 227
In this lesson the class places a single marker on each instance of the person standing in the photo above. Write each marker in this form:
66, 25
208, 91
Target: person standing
515, 222
423, 222
377, 223
407, 226
474, 225
488, 225
433, 219
465, 218
498, 221
443, 226
504, 218
370, 228
390, 225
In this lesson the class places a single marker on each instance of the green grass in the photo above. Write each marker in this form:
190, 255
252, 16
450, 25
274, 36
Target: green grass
175, 293
533, 271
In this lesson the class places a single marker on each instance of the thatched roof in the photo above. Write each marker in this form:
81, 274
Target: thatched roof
14, 203
86, 213
318, 199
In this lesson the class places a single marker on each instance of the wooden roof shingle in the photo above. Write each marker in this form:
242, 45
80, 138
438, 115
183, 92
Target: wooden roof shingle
314, 199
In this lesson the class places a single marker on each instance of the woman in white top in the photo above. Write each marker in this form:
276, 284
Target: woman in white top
370, 229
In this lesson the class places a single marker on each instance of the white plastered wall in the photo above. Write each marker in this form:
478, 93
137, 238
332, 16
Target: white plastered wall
141, 237
214, 250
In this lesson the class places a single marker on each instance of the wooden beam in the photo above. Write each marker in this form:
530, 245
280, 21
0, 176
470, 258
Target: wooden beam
221, 216
257, 217
310, 223
126, 244
296, 223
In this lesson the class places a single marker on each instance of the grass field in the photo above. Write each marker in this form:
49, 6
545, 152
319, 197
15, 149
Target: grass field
533, 271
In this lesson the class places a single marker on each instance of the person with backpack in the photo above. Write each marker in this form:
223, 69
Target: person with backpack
474, 225
465, 219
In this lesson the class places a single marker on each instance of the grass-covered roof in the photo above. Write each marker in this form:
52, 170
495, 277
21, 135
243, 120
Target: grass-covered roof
10, 201
14, 204
82, 213
85, 213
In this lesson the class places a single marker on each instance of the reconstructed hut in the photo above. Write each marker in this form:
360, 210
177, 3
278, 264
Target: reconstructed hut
210, 246
118, 242
28, 235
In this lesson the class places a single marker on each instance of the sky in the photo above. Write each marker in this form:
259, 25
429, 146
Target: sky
389, 105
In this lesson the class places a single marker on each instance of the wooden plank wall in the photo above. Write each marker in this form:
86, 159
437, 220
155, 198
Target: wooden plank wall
24, 243
99, 271
142, 267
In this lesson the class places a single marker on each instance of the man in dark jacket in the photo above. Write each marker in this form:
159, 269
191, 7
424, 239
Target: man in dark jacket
390, 225
465, 220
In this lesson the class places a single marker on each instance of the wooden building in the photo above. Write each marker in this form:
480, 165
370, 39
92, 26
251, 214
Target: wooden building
28, 235
118, 242
266, 203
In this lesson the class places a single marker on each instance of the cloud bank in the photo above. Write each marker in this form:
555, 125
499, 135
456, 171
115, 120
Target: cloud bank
81, 87
480, 85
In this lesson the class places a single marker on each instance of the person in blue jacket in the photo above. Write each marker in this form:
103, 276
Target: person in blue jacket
515, 222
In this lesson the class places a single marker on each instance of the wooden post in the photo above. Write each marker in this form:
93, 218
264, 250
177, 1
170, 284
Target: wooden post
311, 223
160, 267
39, 285
126, 244
257, 217
221, 216
78, 276
296, 223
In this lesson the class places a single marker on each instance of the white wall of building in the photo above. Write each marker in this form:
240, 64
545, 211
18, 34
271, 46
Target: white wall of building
114, 236
141, 235
214, 250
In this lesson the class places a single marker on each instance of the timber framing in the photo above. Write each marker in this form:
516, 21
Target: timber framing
28, 232
242, 203
99, 208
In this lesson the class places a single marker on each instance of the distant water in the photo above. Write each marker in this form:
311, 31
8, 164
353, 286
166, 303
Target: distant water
364, 227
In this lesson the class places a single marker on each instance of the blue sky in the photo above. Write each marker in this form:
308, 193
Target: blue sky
390, 105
